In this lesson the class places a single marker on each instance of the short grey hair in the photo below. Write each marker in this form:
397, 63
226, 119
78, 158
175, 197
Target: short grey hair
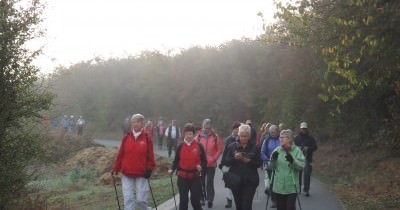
273, 128
206, 121
137, 117
244, 128
288, 133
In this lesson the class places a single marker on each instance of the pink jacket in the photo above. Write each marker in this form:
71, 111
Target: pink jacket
212, 145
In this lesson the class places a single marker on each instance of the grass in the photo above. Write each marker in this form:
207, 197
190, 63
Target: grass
103, 197
324, 178
61, 187
162, 189
74, 191
88, 197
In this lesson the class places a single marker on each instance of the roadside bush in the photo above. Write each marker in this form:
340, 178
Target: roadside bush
81, 173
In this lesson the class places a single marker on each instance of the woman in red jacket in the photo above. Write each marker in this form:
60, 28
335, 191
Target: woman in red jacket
213, 147
135, 160
190, 160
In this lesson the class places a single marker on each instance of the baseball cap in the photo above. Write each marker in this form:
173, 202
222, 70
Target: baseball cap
303, 125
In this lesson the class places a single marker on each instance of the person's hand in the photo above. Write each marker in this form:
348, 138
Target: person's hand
198, 167
170, 171
147, 174
238, 155
114, 173
220, 166
289, 158
245, 159
275, 155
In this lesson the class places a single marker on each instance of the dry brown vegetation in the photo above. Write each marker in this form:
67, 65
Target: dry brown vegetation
362, 178
77, 176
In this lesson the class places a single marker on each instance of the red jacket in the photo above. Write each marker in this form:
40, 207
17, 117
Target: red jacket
212, 145
258, 139
187, 158
135, 156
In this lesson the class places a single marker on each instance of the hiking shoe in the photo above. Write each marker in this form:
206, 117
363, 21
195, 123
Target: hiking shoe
210, 204
307, 194
266, 191
228, 203
202, 202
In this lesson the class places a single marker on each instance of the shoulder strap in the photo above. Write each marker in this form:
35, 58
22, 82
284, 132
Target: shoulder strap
124, 139
201, 148
198, 138
178, 149
125, 136
215, 140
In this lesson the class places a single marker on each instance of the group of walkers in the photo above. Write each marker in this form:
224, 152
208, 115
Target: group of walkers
283, 156
72, 125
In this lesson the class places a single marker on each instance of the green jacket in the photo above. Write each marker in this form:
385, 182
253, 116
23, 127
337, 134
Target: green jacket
287, 174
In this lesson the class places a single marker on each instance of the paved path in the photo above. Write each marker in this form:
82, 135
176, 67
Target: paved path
320, 199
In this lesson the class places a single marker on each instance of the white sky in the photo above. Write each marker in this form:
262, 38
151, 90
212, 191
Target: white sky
79, 30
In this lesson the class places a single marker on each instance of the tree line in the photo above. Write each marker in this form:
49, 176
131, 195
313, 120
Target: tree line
334, 64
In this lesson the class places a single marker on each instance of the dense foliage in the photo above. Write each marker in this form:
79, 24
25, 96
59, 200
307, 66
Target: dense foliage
239, 80
334, 64
20, 99
358, 42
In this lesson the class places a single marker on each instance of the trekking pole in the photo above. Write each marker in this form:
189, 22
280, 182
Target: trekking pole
202, 187
173, 192
116, 193
270, 189
297, 193
152, 195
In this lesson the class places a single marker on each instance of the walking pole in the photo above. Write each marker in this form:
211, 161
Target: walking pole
271, 185
297, 193
116, 194
173, 192
152, 195
202, 188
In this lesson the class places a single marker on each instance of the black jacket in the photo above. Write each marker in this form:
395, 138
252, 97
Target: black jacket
304, 140
247, 171
228, 141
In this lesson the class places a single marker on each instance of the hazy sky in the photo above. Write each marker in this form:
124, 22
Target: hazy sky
79, 30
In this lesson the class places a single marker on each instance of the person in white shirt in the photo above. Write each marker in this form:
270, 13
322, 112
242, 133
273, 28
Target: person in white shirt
173, 133
80, 123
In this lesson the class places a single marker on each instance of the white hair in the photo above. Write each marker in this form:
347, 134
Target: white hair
244, 128
288, 133
273, 128
137, 117
206, 121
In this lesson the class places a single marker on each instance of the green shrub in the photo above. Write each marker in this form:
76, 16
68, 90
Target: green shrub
81, 173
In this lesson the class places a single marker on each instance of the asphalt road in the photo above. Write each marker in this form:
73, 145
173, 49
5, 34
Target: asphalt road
321, 198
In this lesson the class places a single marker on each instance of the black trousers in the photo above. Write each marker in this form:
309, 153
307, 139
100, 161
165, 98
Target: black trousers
160, 141
172, 143
244, 195
306, 176
208, 183
270, 174
192, 185
80, 131
286, 202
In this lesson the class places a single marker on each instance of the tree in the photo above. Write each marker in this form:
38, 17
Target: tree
21, 99
358, 42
